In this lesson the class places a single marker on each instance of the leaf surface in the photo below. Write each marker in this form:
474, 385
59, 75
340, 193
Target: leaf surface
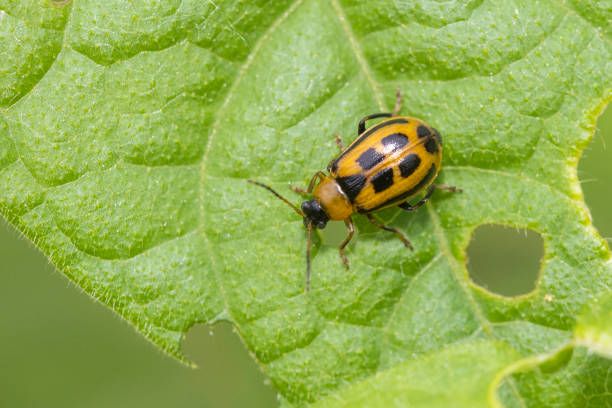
127, 133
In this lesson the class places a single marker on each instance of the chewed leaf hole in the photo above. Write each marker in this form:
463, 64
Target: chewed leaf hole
505, 261
594, 172
223, 360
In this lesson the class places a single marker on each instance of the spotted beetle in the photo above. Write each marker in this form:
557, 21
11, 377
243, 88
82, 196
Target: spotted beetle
384, 166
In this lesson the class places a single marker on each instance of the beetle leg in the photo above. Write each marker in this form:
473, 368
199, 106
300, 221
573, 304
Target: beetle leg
406, 206
398, 102
319, 175
339, 142
351, 230
361, 127
394, 230
299, 190
450, 189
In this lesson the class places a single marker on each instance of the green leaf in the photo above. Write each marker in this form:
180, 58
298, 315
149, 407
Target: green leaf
573, 375
127, 131
594, 327
455, 377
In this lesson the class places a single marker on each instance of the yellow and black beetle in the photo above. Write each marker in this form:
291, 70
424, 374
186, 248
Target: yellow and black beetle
385, 165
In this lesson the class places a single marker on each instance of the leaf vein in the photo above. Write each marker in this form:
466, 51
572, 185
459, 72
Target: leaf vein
359, 55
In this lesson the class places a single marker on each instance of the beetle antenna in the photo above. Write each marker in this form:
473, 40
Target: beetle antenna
289, 203
308, 247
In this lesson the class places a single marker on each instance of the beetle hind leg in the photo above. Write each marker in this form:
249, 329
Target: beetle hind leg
362, 123
394, 230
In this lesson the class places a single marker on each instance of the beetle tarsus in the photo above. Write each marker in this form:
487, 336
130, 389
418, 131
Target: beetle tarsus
299, 190
398, 102
345, 261
351, 231
394, 230
446, 187
339, 143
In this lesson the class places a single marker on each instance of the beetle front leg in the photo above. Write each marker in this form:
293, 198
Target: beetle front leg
319, 175
351, 231
299, 190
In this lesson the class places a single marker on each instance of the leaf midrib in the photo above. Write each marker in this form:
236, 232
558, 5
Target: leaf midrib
359, 56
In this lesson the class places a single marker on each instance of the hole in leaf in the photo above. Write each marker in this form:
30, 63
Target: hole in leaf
224, 365
595, 170
505, 261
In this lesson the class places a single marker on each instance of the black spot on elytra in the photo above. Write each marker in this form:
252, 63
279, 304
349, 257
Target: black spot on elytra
402, 197
351, 185
425, 181
431, 145
409, 164
383, 180
370, 158
394, 142
368, 132
423, 131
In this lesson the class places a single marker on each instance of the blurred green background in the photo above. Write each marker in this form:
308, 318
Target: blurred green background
58, 348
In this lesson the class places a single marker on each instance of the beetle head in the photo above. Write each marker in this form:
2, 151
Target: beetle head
314, 214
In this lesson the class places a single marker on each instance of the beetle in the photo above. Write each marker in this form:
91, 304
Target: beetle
385, 165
